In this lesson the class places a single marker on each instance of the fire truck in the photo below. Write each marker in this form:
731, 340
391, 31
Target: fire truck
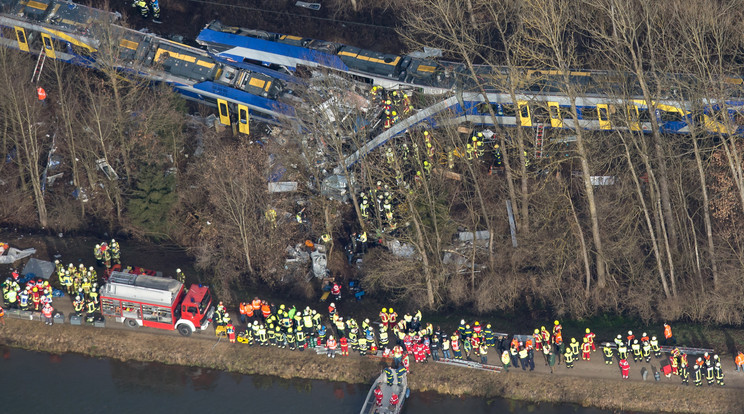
156, 302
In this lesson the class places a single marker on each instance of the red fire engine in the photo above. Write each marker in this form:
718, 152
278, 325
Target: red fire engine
157, 302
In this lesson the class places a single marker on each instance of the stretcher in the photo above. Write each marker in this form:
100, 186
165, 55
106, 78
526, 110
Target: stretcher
325, 296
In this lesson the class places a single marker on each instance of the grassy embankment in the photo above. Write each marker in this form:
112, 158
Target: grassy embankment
201, 351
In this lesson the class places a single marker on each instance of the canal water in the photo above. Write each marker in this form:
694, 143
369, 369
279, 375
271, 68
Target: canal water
70, 383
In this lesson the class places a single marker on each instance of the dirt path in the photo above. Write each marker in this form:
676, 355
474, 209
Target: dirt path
590, 383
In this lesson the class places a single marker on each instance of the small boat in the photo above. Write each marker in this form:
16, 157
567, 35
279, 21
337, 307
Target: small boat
387, 391
311, 6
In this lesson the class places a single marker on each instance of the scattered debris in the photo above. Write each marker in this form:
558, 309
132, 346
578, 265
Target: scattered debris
104, 166
311, 6
11, 254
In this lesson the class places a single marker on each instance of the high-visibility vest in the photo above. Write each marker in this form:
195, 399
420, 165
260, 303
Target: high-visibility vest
505, 358
740, 359
41, 93
331, 344
256, 304
667, 332
266, 311
47, 311
607, 351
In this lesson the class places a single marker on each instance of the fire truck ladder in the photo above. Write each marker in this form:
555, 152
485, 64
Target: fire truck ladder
539, 134
39, 66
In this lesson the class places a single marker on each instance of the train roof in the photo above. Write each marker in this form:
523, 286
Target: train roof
63, 15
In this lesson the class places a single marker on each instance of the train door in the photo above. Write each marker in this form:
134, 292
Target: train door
523, 111
604, 117
224, 112
22, 40
633, 122
48, 45
555, 115
243, 118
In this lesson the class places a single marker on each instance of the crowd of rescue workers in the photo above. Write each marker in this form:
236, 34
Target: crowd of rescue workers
389, 336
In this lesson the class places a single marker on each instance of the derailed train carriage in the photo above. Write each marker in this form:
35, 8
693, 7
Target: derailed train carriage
541, 99
90, 37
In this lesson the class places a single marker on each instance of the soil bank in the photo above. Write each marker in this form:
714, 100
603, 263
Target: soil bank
203, 350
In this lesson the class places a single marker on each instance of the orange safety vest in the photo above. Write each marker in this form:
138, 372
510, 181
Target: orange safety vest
47, 311
256, 304
2, 313
667, 332
41, 93
739, 358
243, 307
266, 311
331, 344
558, 338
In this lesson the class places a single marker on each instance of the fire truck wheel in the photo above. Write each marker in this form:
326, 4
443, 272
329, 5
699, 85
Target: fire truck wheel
131, 323
184, 329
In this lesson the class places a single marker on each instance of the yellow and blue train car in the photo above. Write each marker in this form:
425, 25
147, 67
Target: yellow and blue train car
90, 37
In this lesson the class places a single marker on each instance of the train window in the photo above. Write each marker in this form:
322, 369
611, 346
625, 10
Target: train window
7, 32
223, 109
540, 114
48, 43
482, 108
567, 113
524, 111
738, 117
554, 112
644, 115
508, 110
669, 116
21, 36
603, 114
589, 113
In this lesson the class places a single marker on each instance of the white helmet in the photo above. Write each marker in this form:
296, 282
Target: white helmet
113, 241
330, 336
333, 305
630, 332
98, 246
178, 270
644, 334
56, 262
462, 321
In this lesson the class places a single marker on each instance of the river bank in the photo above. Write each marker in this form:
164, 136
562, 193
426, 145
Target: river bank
203, 351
